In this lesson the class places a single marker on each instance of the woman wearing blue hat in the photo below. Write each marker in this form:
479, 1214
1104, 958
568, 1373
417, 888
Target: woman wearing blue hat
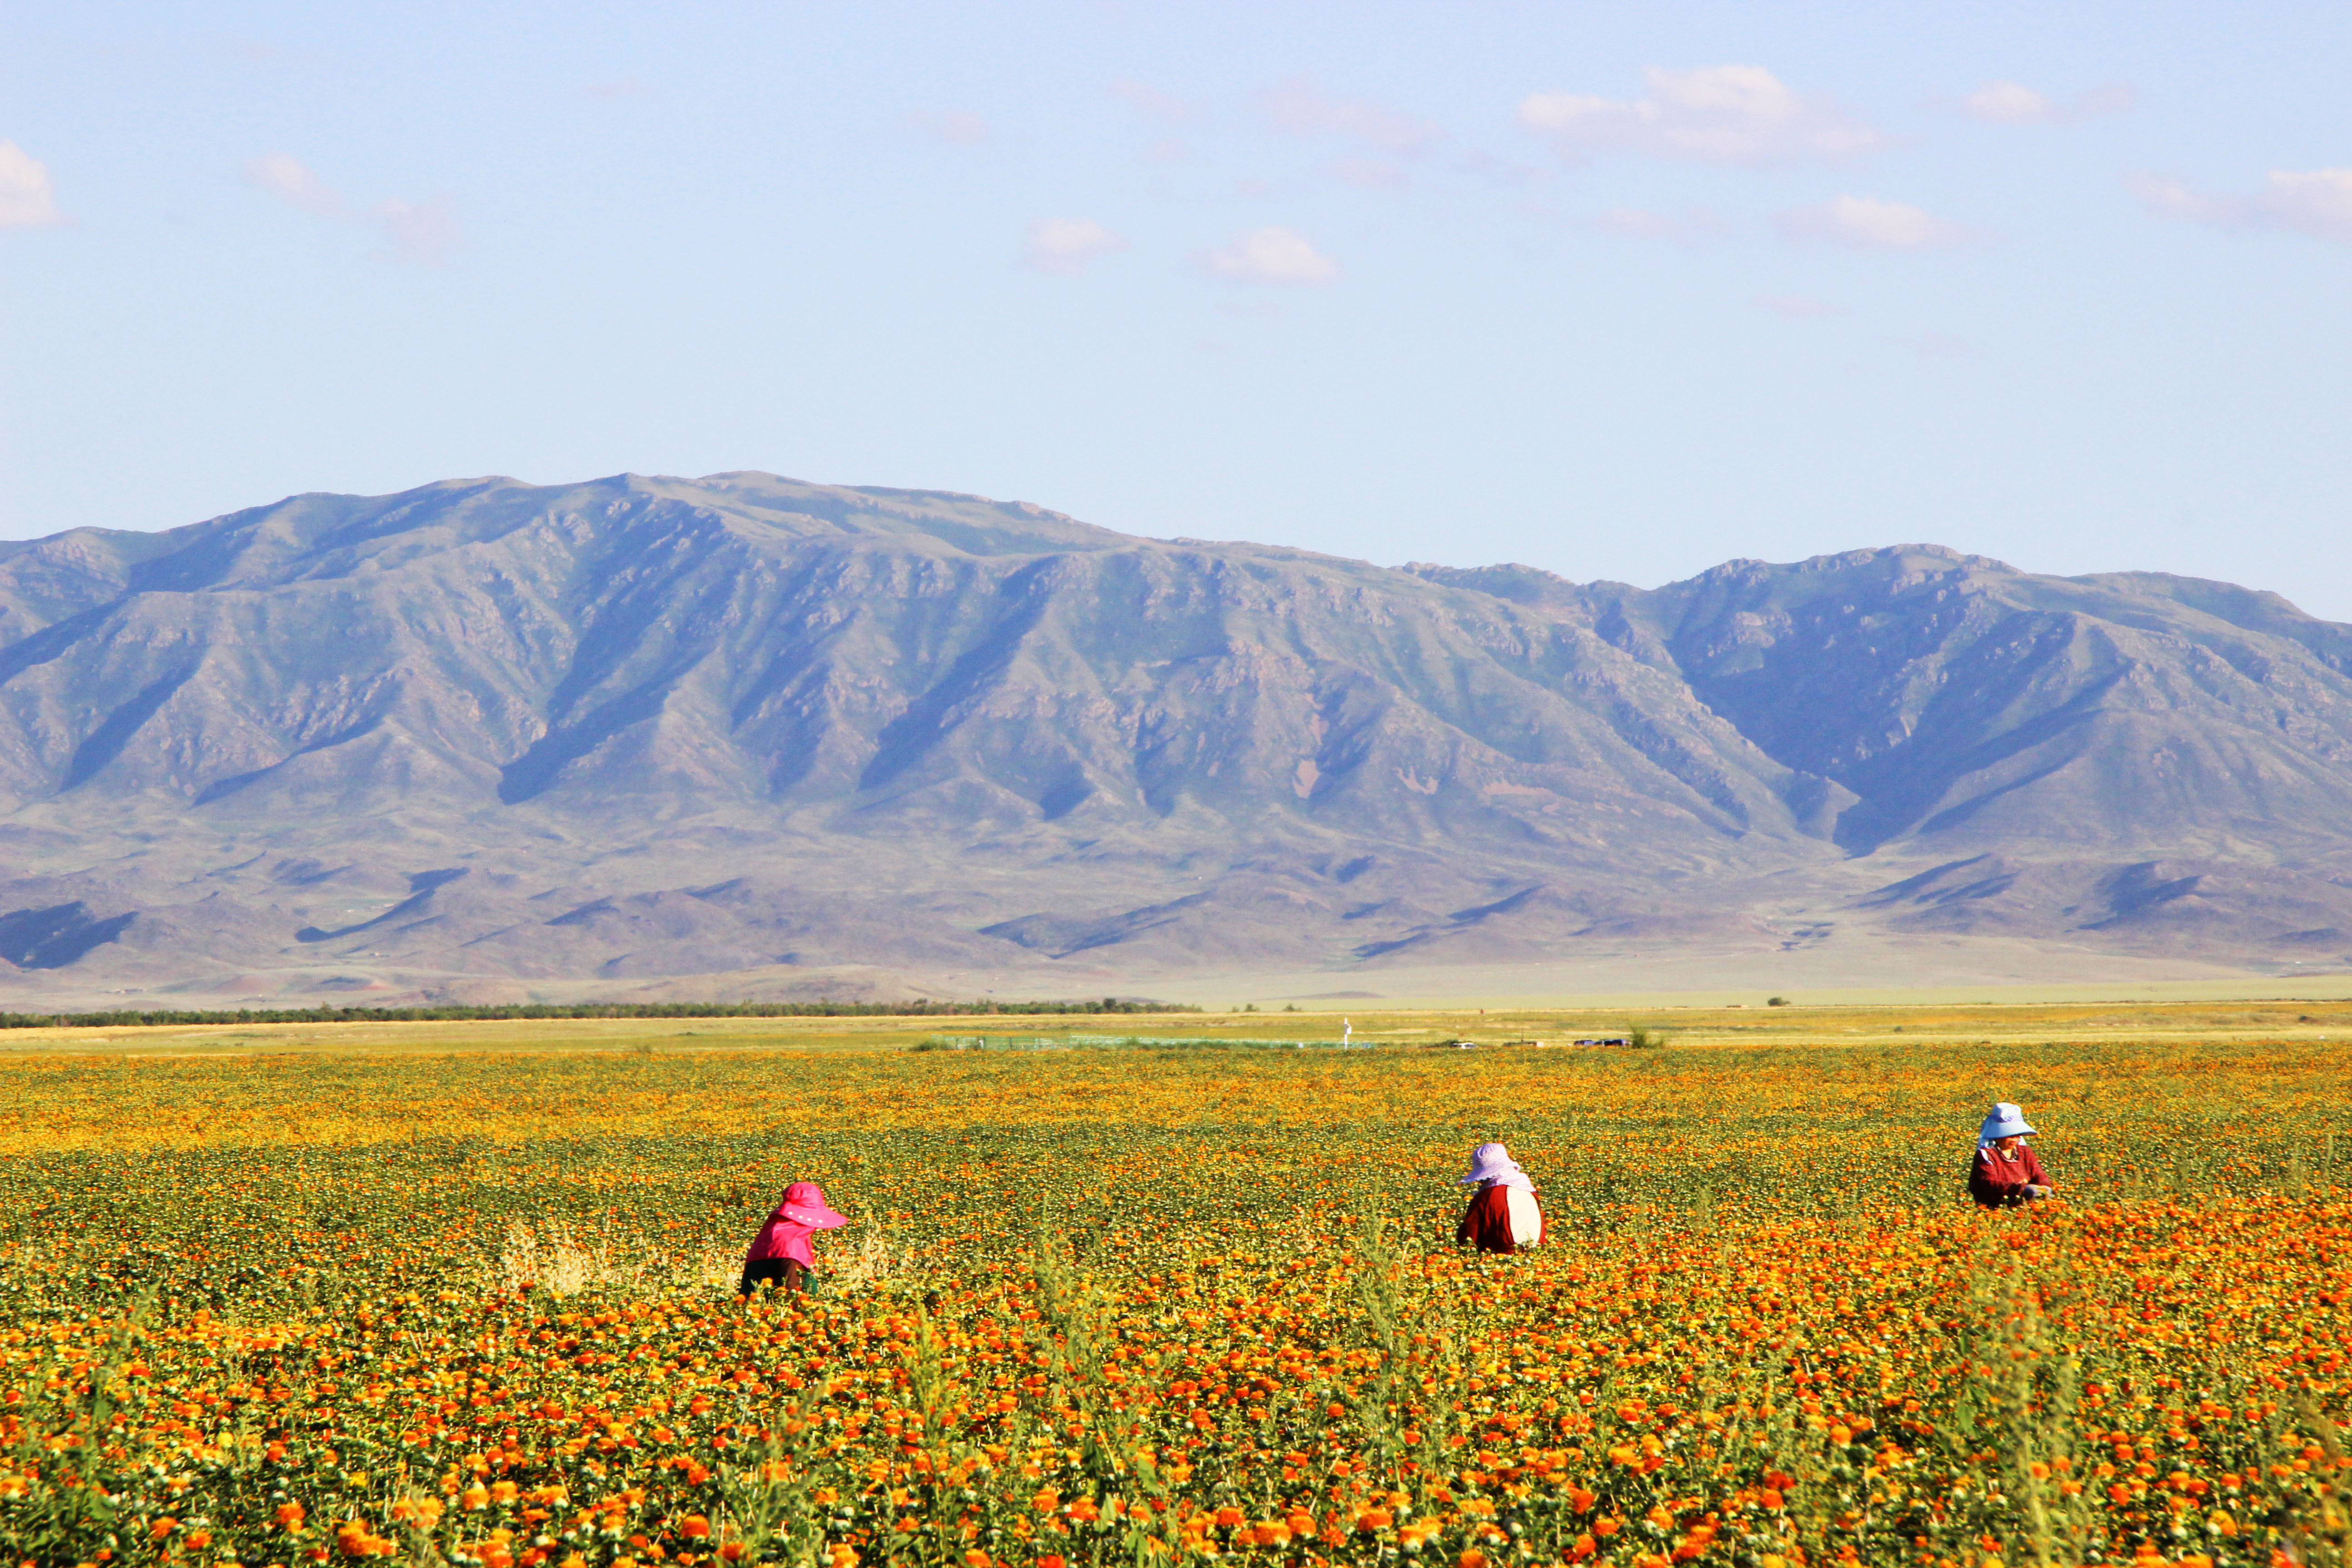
2006, 1174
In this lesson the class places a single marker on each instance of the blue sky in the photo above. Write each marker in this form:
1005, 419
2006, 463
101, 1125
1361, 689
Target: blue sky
1621, 290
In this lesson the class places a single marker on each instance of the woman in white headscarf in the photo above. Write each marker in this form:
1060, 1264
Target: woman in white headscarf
2005, 1173
1503, 1216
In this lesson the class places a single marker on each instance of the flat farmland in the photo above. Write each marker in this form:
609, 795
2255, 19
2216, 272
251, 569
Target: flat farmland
463, 1292
2068, 1022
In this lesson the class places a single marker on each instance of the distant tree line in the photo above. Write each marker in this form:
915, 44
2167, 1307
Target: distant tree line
126, 1018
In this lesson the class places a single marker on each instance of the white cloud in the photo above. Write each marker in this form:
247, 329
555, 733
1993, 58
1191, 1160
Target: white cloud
2014, 103
2171, 198
954, 127
285, 177
1695, 225
2317, 202
1299, 108
421, 232
1863, 223
1718, 114
26, 198
2008, 103
1796, 307
1064, 245
1271, 256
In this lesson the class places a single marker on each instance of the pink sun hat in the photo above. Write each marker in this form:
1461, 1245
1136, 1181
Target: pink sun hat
804, 1204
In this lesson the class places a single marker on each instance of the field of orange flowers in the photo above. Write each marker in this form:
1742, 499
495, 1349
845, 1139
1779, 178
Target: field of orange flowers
1155, 1306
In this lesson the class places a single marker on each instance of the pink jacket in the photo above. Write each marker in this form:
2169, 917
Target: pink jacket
802, 1214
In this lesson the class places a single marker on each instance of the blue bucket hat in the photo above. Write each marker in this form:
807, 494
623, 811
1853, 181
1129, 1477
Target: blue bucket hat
2006, 1122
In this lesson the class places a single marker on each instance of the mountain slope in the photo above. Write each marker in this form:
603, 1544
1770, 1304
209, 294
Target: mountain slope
486, 733
1963, 702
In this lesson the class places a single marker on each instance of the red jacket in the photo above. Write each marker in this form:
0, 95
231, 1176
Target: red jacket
1487, 1222
1996, 1182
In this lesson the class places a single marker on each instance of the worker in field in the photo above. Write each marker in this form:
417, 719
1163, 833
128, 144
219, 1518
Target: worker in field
785, 1250
1503, 1216
2005, 1173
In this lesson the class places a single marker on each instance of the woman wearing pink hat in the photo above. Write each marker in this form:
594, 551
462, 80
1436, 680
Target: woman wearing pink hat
1503, 1216
782, 1251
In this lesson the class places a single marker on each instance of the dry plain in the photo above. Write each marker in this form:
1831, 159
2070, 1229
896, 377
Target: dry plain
1886, 1018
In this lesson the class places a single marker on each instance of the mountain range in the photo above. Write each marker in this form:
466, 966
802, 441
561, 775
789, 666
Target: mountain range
745, 736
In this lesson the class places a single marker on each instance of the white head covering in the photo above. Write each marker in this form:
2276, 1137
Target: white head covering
1493, 1163
2005, 1121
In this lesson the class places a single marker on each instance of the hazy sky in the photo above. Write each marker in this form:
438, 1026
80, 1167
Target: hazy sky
1621, 290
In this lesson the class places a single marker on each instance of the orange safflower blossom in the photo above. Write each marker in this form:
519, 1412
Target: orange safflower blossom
1752, 1339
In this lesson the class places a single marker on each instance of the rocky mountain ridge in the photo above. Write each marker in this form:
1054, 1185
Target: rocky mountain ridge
484, 736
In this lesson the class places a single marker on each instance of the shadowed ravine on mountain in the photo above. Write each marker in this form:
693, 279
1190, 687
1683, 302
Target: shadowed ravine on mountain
486, 738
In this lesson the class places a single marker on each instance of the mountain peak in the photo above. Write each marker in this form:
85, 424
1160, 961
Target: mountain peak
745, 722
